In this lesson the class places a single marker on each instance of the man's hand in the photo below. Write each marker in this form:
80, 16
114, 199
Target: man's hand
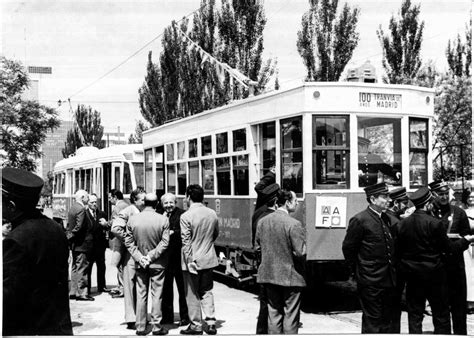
144, 261
192, 267
103, 222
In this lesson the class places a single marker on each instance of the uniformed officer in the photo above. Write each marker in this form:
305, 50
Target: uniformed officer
35, 262
456, 224
421, 246
369, 248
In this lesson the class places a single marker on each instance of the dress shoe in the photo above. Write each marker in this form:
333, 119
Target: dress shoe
88, 298
114, 291
118, 295
211, 330
184, 322
190, 331
104, 290
131, 326
140, 333
161, 332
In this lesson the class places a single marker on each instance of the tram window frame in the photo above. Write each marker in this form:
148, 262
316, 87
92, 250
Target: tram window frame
171, 178
181, 149
182, 176
239, 139
139, 171
268, 154
208, 184
286, 153
127, 179
88, 180
222, 143
321, 150
116, 177
418, 152
193, 148
148, 161
223, 176
206, 145
192, 173
77, 180
239, 170
170, 152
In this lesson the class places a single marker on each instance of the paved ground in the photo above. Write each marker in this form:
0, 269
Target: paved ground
236, 313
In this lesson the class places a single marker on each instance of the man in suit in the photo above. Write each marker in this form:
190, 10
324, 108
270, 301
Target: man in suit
173, 270
369, 249
147, 239
199, 230
115, 244
35, 262
456, 224
283, 243
80, 237
269, 194
96, 219
119, 225
422, 244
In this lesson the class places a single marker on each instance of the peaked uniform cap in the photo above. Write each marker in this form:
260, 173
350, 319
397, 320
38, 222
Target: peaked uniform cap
439, 186
398, 194
376, 189
21, 186
421, 196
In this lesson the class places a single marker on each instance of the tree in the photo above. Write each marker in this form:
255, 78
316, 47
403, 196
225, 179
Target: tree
325, 43
401, 49
140, 127
89, 122
458, 53
24, 122
151, 96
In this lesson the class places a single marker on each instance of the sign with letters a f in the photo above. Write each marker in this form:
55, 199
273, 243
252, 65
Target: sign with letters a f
331, 212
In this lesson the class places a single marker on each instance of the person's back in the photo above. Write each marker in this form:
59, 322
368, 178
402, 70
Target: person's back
35, 291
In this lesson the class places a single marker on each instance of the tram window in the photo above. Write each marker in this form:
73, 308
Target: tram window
181, 150
292, 155
418, 152
240, 139
138, 169
88, 180
208, 176
159, 170
171, 178
83, 179
71, 189
193, 148
98, 181
194, 172
148, 170
206, 145
127, 179
170, 152
181, 178
62, 185
268, 148
76, 180
117, 177
241, 174
379, 146
223, 175
330, 152
221, 143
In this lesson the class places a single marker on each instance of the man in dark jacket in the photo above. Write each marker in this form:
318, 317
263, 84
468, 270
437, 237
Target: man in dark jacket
80, 237
283, 242
173, 270
456, 224
421, 246
35, 262
265, 181
99, 225
369, 249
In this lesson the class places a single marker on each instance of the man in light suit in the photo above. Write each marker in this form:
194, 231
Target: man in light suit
119, 225
80, 237
283, 247
146, 239
199, 230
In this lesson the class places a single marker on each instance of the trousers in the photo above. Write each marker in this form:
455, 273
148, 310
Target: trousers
283, 308
149, 279
199, 297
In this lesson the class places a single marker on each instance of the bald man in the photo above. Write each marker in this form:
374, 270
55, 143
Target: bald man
147, 238
173, 270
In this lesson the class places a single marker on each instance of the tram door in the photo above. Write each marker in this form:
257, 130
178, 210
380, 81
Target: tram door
107, 186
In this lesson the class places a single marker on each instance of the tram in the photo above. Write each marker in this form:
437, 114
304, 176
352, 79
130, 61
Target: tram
327, 141
96, 171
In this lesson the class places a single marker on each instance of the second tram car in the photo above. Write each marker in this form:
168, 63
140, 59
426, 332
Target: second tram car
327, 140
97, 171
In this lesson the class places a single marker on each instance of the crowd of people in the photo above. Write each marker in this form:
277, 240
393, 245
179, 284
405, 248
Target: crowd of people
400, 244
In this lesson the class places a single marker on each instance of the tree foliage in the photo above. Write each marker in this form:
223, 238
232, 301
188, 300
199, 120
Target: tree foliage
89, 122
326, 42
184, 81
24, 122
140, 127
458, 53
401, 47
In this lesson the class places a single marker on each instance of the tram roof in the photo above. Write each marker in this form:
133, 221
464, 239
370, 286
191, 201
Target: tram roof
90, 155
299, 97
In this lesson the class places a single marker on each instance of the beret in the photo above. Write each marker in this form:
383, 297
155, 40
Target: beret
376, 189
21, 186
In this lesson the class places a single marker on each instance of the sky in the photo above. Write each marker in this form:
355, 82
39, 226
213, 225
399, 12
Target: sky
83, 40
